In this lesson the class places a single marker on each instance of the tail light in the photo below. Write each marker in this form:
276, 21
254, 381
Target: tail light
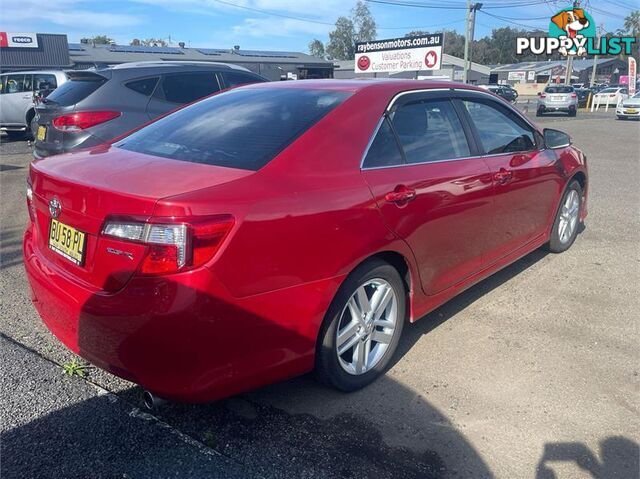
573, 95
173, 245
543, 95
83, 119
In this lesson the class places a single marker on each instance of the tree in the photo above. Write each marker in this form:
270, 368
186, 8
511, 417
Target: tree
341, 44
316, 48
632, 24
154, 42
135, 42
365, 25
101, 40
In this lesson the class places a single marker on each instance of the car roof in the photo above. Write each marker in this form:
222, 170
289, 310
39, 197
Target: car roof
177, 64
383, 85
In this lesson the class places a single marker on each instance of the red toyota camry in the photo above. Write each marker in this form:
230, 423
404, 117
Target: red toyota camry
280, 228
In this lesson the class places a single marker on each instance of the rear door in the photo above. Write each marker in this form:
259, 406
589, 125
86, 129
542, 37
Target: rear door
430, 189
177, 89
17, 96
526, 178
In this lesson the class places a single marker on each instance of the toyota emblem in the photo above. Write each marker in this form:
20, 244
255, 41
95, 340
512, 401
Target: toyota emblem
55, 207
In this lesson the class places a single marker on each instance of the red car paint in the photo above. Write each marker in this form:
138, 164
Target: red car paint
303, 222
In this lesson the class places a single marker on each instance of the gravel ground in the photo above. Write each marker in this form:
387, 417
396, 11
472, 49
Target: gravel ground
531, 373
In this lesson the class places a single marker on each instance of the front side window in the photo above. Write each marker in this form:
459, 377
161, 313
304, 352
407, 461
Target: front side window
384, 149
44, 82
188, 87
430, 130
499, 131
243, 128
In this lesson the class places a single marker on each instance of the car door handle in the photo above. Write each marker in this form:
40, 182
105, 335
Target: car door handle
400, 195
503, 176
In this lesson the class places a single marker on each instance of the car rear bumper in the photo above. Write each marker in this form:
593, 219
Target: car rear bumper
64, 143
558, 106
182, 337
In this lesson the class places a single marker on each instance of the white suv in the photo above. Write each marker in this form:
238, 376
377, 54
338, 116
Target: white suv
16, 98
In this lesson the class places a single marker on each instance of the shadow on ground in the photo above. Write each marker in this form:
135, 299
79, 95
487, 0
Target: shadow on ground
11, 247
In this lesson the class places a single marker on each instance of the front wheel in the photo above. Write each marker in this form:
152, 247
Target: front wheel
362, 327
565, 226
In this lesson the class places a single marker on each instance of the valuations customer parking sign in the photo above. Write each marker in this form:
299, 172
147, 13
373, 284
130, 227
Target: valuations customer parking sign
399, 54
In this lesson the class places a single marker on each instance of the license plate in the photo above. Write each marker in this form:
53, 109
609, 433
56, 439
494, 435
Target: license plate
42, 132
631, 110
67, 241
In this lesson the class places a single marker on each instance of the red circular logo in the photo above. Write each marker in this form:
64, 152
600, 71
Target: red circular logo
364, 63
431, 59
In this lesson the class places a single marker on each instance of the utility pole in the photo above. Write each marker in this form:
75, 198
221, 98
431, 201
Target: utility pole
595, 57
468, 37
569, 69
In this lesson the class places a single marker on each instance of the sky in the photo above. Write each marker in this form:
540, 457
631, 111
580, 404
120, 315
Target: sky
276, 24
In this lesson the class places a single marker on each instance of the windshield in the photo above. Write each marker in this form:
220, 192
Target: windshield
559, 89
609, 90
243, 128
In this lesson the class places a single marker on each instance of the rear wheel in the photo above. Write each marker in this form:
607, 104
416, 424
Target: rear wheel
539, 112
33, 127
572, 112
565, 226
362, 327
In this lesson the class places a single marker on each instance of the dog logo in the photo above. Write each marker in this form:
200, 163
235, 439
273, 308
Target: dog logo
574, 24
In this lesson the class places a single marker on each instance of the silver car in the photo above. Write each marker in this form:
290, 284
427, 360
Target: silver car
629, 108
556, 98
17, 111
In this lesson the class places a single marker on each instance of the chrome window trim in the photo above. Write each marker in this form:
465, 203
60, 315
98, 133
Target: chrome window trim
427, 90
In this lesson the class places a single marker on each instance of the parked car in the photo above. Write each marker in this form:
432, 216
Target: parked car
17, 92
611, 96
556, 98
583, 96
504, 91
95, 106
629, 108
283, 227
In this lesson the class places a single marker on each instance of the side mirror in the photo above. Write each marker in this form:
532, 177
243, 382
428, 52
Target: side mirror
556, 138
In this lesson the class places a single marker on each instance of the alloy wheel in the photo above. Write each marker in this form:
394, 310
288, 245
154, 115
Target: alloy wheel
569, 217
366, 326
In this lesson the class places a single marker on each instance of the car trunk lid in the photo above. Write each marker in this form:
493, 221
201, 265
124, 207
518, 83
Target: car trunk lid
93, 185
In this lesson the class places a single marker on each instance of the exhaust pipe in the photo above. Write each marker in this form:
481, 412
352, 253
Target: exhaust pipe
151, 401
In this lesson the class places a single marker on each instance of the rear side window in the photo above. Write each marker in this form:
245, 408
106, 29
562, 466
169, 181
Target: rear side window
144, 86
237, 78
384, 150
76, 90
243, 128
187, 87
499, 131
17, 83
430, 130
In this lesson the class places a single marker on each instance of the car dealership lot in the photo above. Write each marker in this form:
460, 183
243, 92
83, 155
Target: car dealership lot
534, 368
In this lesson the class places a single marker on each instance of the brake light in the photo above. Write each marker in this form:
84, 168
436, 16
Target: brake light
173, 245
83, 119
543, 95
573, 95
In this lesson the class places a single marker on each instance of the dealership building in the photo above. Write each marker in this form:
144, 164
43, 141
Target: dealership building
50, 51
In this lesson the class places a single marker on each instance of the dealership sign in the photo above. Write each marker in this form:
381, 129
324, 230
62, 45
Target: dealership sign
633, 71
521, 76
399, 54
18, 40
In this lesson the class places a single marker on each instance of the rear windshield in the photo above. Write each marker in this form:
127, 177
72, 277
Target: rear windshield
559, 89
242, 129
74, 91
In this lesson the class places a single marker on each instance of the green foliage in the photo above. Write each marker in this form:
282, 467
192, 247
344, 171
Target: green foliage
316, 48
342, 40
363, 22
100, 40
74, 368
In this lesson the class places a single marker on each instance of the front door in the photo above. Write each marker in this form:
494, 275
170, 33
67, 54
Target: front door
526, 177
429, 188
17, 96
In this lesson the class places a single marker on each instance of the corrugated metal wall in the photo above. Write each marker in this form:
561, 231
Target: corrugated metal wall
52, 52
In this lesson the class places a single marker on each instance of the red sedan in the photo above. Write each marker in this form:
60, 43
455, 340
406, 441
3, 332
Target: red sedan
281, 228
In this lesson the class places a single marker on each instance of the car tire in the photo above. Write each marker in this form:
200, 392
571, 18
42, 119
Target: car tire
374, 277
572, 112
538, 112
567, 216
